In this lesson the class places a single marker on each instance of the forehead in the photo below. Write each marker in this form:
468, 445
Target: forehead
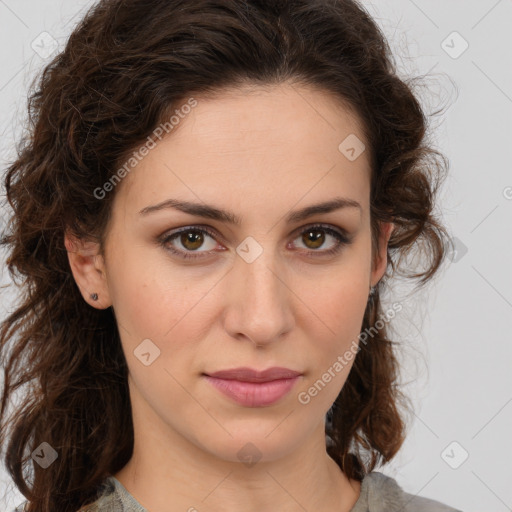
283, 115
278, 143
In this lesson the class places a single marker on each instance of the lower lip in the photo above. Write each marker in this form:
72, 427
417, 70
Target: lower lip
253, 394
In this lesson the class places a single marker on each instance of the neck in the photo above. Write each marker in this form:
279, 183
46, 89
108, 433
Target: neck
179, 479
171, 470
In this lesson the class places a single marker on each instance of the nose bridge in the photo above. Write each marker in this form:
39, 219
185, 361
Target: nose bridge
259, 305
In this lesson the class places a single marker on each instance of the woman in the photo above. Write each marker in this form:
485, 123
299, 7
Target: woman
206, 209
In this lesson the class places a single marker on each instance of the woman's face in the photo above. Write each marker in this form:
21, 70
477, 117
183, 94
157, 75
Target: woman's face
261, 293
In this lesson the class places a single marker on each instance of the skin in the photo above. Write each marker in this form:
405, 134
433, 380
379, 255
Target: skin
260, 153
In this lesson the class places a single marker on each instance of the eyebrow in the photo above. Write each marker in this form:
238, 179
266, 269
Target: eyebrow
211, 212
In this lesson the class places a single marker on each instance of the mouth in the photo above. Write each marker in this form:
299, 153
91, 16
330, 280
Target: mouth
253, 388
245, 374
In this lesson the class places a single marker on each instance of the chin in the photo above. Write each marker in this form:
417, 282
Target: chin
250, 447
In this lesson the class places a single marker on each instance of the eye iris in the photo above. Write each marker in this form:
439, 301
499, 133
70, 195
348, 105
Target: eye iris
194, 237
317, 239
193, 240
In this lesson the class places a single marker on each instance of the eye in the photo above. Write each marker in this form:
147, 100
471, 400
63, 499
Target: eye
192, 238
314, 237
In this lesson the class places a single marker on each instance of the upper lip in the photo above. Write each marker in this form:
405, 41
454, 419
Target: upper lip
245, 374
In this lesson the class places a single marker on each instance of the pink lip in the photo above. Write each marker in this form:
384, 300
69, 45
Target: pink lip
245, 374
252, 388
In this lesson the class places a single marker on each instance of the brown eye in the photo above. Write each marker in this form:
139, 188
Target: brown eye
191, 240
315, 237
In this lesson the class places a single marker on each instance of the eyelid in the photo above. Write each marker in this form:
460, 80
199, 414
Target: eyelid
214, 233
343, 238
194, 227
322, 225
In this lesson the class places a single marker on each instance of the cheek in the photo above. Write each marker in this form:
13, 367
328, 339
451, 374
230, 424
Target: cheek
157, 301
340, 304
136, 296
340, 296
342, 315
148, 299
334, 346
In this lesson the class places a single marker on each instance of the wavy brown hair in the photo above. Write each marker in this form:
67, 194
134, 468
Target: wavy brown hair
124, 68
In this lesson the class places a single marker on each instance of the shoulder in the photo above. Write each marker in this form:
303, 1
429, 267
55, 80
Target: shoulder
381, 493
108, 500
114, 498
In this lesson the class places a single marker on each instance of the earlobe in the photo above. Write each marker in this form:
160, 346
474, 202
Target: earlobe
88, 268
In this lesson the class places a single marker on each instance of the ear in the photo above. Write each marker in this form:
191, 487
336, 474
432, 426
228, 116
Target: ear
381, 261
88, 267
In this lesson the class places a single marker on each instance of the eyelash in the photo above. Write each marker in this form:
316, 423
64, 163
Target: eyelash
342, 240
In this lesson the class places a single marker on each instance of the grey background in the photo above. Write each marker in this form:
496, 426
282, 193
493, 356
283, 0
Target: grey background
457, 335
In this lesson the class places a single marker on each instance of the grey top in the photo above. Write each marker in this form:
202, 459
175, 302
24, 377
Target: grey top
379, 493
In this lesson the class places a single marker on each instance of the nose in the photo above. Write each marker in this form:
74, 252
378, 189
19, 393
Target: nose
260, 304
